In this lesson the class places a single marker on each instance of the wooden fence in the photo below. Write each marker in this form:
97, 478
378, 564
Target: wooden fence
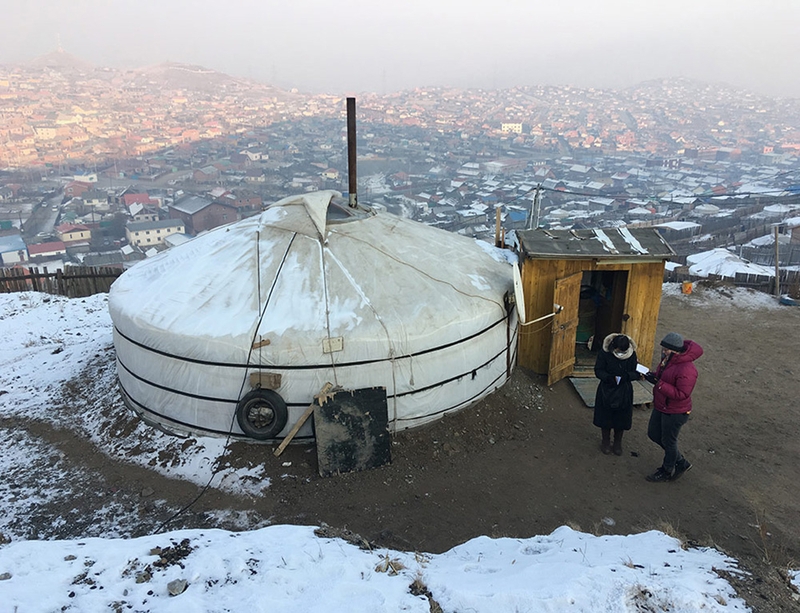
80, 281
75, 282
789, 280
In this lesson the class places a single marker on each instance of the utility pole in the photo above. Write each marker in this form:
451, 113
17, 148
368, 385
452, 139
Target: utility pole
537, 199
777, 268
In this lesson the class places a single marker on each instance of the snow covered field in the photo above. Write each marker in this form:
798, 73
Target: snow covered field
290, 568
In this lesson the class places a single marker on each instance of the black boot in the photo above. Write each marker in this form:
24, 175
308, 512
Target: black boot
605, 444
618, 442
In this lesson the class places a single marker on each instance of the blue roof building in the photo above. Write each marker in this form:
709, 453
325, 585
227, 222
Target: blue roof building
13, 250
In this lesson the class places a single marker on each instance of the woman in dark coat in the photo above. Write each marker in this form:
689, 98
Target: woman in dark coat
613, 402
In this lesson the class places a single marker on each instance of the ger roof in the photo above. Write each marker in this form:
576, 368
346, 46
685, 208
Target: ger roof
595, 243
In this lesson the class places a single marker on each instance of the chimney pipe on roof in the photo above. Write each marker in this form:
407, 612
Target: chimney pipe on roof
352, 200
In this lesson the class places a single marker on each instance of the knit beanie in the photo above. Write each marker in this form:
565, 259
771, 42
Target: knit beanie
673, 341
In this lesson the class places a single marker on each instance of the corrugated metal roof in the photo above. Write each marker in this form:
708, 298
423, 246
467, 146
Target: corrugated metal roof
138, 226
604, 243
191, 204
11, 242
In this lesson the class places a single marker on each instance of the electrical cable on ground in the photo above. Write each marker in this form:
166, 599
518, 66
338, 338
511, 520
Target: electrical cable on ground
244, 379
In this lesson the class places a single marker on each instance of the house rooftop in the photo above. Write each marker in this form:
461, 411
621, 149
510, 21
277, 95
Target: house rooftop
191, 204
595, 243
36, 249
138, 226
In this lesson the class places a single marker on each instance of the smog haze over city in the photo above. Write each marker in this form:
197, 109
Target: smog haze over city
348, 46
574, 114
642, 148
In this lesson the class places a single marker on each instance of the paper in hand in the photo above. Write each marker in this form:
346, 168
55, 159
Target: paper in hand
642, 369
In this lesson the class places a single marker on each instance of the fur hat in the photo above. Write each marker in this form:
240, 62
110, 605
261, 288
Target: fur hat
673, 341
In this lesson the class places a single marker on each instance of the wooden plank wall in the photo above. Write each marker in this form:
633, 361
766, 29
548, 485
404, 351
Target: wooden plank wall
642, 304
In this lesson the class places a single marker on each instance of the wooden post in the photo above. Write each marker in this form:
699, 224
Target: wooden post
325, 389
497, 226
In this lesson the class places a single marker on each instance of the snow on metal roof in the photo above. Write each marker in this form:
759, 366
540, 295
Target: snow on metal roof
607, 243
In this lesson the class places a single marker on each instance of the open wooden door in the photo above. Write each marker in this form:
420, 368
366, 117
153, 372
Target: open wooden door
565, 327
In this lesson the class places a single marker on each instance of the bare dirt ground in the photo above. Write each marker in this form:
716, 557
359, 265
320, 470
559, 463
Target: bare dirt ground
526, 461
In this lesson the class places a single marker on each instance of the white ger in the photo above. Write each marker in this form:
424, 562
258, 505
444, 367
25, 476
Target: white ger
234, 332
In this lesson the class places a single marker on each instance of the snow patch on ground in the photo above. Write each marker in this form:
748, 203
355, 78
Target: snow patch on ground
301, 569
58, 365
794, 578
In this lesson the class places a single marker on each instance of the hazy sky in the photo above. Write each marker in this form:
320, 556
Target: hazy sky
350, 46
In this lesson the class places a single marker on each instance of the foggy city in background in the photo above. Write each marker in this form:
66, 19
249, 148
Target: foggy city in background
358, 45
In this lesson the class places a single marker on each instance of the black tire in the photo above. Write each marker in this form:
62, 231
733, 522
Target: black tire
261, 414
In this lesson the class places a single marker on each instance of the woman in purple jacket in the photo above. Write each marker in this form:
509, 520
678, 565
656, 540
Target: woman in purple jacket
673, 383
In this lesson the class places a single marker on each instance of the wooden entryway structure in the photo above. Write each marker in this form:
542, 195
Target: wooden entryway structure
593, 282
